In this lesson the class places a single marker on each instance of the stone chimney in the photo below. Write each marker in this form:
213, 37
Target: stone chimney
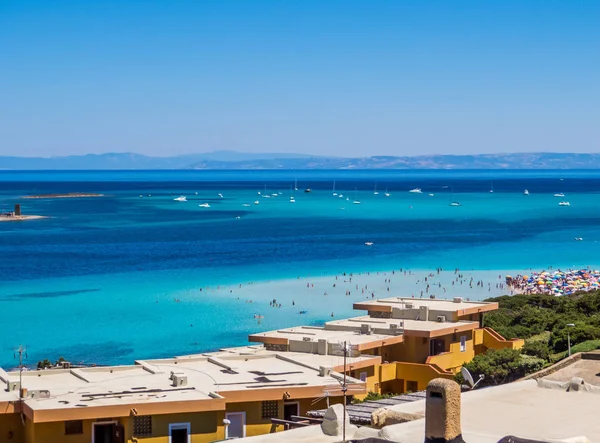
442, 412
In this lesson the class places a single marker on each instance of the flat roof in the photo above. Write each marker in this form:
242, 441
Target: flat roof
588, 369
521, 408
438, 304
212, 380
301, 333
416, 328
333, 362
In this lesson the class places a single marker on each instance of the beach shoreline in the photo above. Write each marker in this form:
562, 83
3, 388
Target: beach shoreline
67, 195
17, 218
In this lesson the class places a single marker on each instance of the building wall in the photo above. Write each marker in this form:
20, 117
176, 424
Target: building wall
417, 376
204, 426
413, 350
11, 428
453, 359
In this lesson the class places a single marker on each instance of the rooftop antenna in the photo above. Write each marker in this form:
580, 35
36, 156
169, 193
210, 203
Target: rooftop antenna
352, 351
22, 351
469, 378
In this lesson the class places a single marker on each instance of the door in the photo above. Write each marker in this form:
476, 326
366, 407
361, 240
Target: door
179, 433
436, 346
103, 433
237, 425
118, 433
289, 409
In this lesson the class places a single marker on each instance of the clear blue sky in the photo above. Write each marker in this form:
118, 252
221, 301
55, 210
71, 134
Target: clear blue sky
325, 77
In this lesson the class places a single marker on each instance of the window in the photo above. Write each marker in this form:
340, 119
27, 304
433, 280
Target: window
73, 427
463, 343
363, 376
270, 409
142, 425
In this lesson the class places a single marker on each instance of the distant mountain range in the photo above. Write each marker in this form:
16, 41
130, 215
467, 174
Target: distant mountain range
237, 160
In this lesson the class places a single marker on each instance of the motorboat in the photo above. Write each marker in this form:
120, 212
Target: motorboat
204, 205
525, 192
256, 202
560, 194
431, 195
368, 243
454, 204
180, 199
245, 204
340, 195
356, 202
238, 217
416, 191
274, 194
292, 200
564, 203
578, 238
307, 190
220, 195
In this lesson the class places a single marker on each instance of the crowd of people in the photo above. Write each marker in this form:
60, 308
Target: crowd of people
555, 282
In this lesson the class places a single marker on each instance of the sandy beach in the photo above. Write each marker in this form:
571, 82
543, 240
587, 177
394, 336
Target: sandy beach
17, 218
68, 195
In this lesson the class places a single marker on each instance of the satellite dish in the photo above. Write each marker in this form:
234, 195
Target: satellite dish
467, 376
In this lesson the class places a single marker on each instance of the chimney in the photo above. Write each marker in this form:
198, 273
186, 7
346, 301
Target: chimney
442, 412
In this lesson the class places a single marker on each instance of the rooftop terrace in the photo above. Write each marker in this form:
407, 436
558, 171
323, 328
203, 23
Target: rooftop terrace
458, 306
182, 384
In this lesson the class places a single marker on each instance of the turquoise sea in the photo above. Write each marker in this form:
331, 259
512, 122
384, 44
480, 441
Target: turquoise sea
112, 279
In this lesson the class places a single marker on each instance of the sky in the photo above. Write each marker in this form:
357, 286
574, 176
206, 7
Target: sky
349, 78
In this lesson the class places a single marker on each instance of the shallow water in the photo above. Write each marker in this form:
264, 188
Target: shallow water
98, 280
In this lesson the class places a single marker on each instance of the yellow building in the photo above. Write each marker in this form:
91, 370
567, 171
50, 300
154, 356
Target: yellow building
417, 339
192, 399
399, 346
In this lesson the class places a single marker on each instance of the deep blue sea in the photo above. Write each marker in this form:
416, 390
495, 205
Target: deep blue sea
96, 281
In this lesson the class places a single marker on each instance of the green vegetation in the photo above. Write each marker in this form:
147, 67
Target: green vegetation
47, 364
542, 321
544, 318
501, 366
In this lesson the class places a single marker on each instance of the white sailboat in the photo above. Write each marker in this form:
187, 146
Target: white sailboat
526, 192
334, 193
180, 199
387, 194
375, 190
295, 184
452, 201
356, 200
416, 191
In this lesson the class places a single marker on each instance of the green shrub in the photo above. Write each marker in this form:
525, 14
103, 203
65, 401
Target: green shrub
502, 366
537, 349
